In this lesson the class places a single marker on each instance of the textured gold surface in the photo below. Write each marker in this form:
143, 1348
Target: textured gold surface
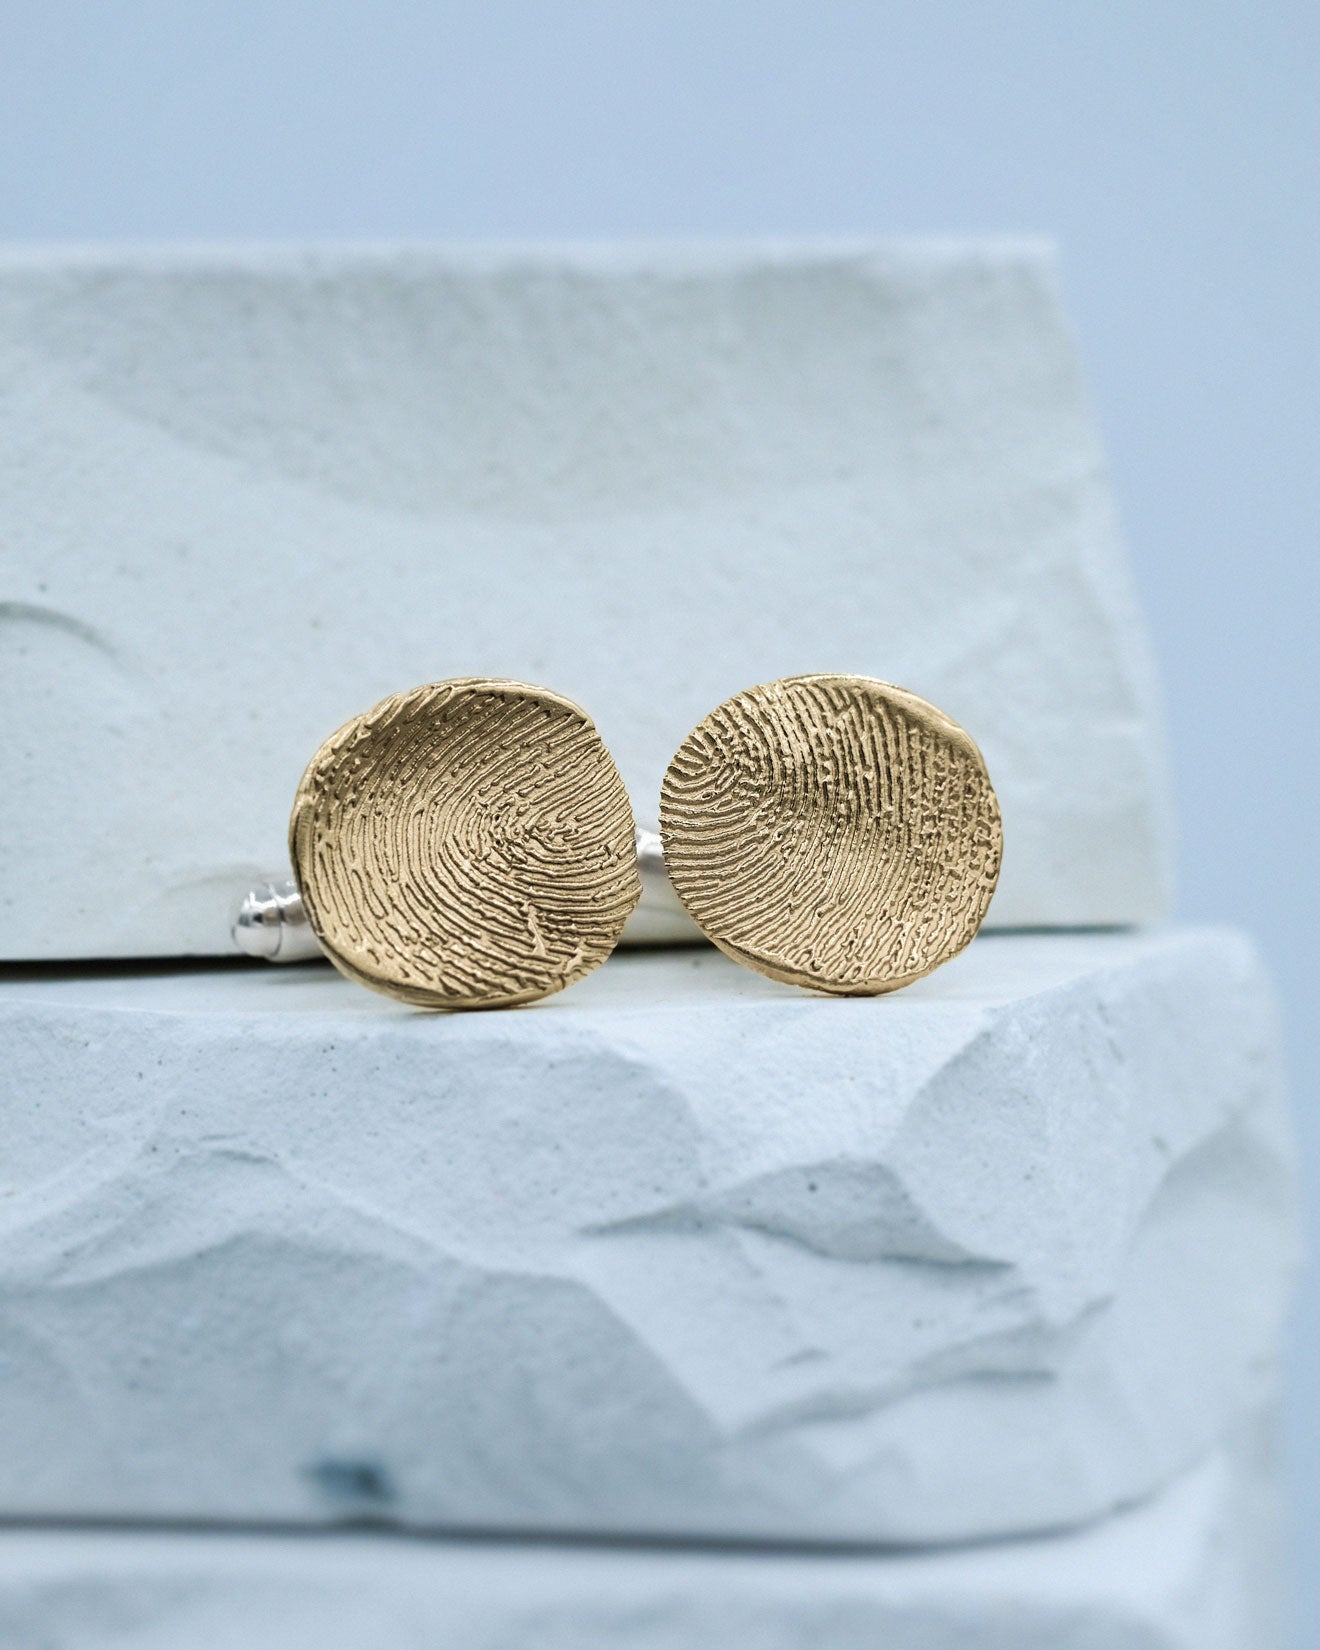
465, 845
832, 831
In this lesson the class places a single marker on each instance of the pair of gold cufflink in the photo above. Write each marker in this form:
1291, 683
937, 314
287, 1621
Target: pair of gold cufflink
470, 844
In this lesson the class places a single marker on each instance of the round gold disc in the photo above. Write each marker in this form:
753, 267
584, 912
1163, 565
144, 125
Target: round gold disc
832, 832
466, 845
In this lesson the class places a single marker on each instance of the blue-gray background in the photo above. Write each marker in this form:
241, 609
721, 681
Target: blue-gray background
1174, 148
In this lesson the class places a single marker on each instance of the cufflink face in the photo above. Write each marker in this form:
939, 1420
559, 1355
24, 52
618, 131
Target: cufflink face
465, 845
832, 832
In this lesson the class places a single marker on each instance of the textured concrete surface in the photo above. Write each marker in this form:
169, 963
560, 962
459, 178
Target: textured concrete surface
248, 493
1194, 1569
679, 1251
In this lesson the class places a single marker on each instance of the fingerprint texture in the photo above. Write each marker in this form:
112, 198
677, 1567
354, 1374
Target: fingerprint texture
832, 831
466, 845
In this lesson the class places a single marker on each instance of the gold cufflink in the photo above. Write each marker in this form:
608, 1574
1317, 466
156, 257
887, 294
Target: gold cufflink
466, 845
470, 844
832, 832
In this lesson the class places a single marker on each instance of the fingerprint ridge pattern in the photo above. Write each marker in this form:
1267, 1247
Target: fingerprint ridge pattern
467, 844
832, 831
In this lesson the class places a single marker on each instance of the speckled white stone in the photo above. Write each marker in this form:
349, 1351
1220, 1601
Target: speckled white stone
1192, 1570
678, 1251
246, 493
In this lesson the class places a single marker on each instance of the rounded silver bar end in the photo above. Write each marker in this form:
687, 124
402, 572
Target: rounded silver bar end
271, 923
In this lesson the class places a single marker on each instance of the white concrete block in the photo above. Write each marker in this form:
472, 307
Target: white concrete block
244, 494
1187, 1571
681, 1251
